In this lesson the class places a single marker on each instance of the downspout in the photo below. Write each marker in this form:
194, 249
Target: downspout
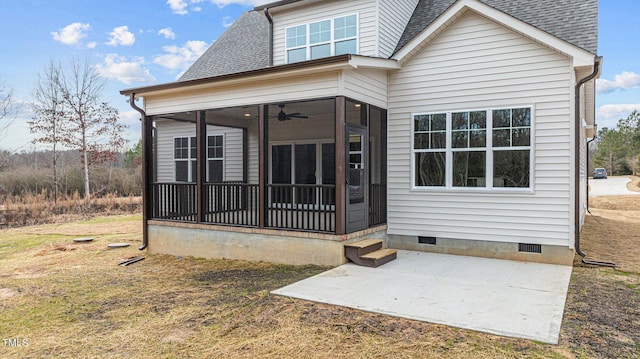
145, 231
270, 19
595, 130
576, 168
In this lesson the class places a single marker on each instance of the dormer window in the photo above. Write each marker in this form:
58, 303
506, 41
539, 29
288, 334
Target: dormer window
324, 38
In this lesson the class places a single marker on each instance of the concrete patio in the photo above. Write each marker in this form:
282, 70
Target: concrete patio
509, 298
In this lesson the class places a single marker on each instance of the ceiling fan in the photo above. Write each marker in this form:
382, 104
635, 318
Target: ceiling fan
282, 116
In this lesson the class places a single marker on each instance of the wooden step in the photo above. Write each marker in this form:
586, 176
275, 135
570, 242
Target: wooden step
363, 247
380, 257
369, 253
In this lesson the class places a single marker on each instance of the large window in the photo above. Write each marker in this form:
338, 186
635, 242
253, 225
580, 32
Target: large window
324, 38
185, 159
472, 149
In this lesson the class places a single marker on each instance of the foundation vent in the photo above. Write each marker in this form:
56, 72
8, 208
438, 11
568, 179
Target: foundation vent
427, 240
529, 248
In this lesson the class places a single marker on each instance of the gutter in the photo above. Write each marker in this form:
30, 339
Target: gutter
577, 129
270, 19
145, 173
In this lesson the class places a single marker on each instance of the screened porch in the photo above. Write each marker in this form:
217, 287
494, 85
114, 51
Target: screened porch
316, 166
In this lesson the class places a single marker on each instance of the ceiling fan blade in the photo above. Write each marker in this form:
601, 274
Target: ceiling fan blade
297, 116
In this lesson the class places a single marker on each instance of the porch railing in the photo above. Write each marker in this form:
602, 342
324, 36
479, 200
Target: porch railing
302, 207
174, 201
231, 203
289, 206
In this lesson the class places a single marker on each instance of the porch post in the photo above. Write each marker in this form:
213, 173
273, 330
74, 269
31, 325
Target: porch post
201, 155
148, 168
263, 148
340, 165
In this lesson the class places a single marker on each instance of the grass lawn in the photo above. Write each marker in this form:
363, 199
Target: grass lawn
63, 299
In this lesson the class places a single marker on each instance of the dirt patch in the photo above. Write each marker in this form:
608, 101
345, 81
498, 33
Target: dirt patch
6, 293
634, 185
612, 231
602, 314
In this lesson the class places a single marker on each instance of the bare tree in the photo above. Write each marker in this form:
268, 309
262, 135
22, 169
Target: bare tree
92, 125
7, 108
49, 114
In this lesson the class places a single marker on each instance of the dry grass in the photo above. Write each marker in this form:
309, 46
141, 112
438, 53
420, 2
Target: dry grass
31, 209
73, 300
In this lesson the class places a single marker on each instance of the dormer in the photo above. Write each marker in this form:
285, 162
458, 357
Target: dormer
312, 29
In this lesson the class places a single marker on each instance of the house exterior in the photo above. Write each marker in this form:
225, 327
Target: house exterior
451, 126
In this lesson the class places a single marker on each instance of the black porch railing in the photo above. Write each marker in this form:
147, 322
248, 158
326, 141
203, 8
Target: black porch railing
174, 201
289, 206
305, 207
231, 203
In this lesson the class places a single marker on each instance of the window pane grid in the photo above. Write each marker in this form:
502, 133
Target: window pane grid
471, 158
322, 39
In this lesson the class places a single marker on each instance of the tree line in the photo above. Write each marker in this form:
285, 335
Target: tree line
618, 149
71, 119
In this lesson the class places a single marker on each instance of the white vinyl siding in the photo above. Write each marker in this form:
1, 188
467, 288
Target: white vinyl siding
367, 23
475, 64
393, 18
259, 91
366, 85
167, 131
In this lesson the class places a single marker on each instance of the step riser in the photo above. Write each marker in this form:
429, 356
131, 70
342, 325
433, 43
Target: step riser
356, 253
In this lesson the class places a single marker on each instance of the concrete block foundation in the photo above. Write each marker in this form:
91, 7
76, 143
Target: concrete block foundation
252, 244
499, 250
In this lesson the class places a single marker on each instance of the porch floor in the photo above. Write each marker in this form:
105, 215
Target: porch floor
509, 298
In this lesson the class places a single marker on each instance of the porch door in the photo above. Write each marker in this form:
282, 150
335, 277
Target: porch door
356, 210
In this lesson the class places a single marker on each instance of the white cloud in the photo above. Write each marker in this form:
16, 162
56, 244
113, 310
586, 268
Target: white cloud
118, 68
227, 21
223, 3
92, 45
179, 58
121, 36
182, 7
72, 33
622, 81
167, 33
178, 6
608, 115
130, 118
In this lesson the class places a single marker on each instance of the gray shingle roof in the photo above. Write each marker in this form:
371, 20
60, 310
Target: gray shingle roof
575, 21
245, 44
243, 47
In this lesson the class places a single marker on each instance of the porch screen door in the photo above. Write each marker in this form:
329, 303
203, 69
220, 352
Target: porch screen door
356, 210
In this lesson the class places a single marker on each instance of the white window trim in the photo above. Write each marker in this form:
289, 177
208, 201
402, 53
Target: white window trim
191, 175
489, 188
188, 160
332, 41
223, 158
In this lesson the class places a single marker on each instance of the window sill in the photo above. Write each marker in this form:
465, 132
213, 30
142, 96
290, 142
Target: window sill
475, 190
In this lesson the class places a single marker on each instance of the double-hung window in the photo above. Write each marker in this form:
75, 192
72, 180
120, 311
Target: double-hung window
472, 149
215, 159
185, 159
324, 38
184, 156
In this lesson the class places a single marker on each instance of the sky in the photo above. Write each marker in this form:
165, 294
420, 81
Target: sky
146, 42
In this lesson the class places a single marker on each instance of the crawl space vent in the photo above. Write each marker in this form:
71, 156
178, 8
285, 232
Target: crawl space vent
529, 248
427, 240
